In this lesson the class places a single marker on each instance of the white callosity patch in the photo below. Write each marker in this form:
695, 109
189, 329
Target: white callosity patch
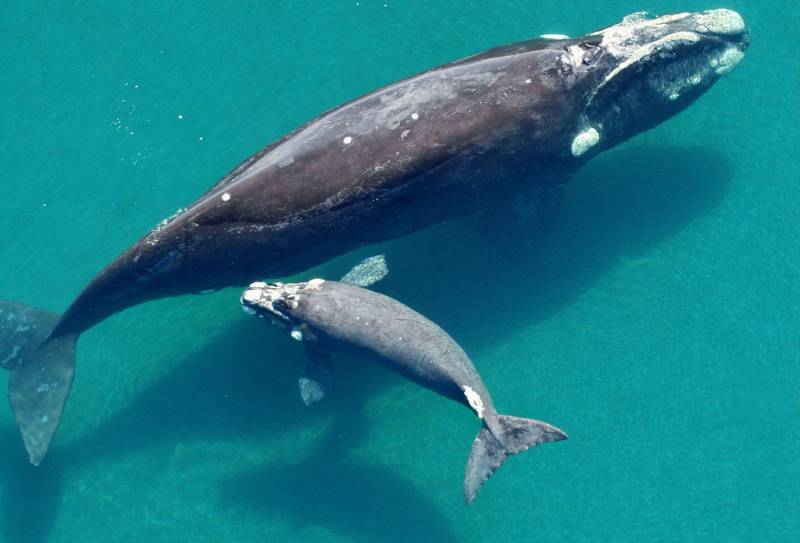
585, 141
575, 55
666, 43
727, 61
296, 334
262, 296
225, 197
554, 36
621, 41
474, 399
724, 22
252, 294
315, 284
627, 41
635, 18
347, 140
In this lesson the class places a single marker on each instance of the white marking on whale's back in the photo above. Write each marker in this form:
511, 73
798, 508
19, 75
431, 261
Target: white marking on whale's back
474, 399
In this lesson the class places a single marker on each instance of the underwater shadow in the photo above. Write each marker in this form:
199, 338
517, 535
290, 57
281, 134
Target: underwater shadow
225, 391
620, 205
228, 390
358, 501
30, 495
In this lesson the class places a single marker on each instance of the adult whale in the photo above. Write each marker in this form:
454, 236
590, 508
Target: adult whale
499, 126
329, 316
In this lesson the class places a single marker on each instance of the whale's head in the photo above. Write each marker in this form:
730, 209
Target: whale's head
277, 302
638, 73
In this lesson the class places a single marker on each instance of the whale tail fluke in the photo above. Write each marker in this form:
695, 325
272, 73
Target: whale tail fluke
490, 449
41, 368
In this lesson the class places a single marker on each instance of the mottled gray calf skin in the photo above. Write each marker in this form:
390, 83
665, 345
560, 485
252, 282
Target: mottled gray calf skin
329, 316
501, 128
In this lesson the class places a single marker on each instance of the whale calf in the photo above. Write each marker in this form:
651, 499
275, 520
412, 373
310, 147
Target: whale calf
501, 129
329, 316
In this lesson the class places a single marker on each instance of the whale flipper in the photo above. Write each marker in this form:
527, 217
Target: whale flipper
41, 372
489, 451
367, 272
317, 376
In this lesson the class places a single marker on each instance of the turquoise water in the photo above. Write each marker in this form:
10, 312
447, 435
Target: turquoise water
658, 323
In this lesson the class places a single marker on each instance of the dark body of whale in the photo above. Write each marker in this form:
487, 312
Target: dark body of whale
330, 316
493, 129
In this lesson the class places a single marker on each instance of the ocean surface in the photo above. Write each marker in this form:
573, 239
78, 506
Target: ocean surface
657, 322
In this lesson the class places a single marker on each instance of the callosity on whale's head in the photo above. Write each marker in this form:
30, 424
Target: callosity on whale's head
276, 301
638, 73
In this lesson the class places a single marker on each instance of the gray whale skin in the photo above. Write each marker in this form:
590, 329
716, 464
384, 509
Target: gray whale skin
503, 127
329, 316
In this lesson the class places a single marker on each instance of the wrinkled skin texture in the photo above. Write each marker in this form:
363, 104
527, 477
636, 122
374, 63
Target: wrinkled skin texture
329, 316
502, 128
447, 142
336, 317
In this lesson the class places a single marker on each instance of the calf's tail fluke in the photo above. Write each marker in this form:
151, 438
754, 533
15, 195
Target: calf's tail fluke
490, 449
42, 368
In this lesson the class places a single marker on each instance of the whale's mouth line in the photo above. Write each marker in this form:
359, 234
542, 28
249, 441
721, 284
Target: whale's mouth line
683, 64
695, 49
649, 55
